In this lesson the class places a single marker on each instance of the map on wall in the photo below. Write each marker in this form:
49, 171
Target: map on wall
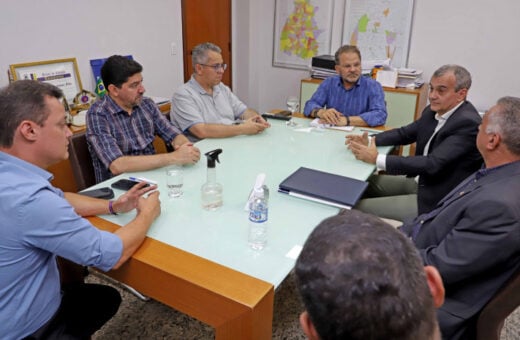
302, 31
380, 29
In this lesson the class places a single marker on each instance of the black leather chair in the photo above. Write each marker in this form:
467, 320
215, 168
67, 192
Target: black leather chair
492, 316
80, 161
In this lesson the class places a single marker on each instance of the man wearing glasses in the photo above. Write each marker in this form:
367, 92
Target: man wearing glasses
348, 98
206, 108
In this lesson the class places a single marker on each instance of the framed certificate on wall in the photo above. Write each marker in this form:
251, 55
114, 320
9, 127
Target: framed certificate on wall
62, 73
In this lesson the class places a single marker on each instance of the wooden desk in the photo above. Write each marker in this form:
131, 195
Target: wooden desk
62, 171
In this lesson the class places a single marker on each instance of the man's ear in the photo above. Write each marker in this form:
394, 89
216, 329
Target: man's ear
435, 284
28, 130
308, 327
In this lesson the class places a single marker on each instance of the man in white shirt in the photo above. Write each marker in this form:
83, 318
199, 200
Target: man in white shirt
206, 108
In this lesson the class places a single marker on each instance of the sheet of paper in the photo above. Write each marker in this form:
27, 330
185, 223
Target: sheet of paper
316, 124
387, 78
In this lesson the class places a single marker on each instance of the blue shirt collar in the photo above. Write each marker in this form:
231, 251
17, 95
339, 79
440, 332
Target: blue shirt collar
5, 157
487, 171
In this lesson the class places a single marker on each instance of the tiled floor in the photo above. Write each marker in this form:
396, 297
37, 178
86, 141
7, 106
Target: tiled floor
138, 319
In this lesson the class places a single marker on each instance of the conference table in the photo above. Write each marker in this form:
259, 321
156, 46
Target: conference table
199, 262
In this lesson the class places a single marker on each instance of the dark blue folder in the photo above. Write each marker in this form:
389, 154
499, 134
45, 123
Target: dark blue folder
324, 187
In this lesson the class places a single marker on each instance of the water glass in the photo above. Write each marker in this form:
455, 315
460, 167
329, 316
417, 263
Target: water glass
292, 105
174, 181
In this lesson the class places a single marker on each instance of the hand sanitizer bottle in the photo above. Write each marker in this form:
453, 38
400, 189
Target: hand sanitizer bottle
211, 191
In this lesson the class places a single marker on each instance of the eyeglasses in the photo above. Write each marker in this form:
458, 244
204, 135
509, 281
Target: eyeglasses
216, 67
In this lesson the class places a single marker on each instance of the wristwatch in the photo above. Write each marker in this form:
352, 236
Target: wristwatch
314, 113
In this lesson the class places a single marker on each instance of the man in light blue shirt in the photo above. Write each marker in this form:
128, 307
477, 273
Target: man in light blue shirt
40, 222
348, 98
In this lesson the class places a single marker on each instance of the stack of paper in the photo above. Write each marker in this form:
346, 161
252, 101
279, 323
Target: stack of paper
321, 73
409, 78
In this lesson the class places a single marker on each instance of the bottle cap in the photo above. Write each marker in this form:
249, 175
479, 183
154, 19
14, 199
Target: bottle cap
212, 157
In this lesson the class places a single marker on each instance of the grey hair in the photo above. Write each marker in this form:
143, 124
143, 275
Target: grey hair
462, 76
506, 122
199, 55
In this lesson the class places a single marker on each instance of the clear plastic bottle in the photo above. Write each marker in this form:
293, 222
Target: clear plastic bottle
211, 191
258, 216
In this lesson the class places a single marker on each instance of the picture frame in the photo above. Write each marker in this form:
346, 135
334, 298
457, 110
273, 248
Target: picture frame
62, 73
289, 50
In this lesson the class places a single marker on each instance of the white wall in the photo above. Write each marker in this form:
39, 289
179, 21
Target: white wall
475, 33
480, 35
35, 30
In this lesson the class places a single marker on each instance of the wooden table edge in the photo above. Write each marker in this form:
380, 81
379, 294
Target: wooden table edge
235, 304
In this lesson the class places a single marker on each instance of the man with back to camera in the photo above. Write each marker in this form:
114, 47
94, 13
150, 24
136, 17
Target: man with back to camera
360, 278
473, 235
40, 222
122, 126
206, 108
348, 98
445, 153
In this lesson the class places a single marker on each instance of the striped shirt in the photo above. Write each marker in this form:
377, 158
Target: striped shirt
113, 133
365, 99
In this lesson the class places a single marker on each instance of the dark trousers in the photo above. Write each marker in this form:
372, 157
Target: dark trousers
84, 309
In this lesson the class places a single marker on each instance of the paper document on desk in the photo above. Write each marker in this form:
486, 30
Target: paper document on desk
316, 123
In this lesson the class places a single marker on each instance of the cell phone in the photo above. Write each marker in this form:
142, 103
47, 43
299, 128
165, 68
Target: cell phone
280, 115
105, 193
125, 184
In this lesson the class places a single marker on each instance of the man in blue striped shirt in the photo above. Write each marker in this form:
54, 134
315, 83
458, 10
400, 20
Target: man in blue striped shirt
348, 98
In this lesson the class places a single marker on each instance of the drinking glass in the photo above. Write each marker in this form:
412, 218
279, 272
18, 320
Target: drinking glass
292, 105
174, 181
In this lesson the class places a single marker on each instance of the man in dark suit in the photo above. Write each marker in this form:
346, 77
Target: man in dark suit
445, 153
473, 235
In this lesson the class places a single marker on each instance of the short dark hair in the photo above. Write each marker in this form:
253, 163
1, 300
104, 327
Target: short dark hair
23, 100
346, 49
117, 69
359, 278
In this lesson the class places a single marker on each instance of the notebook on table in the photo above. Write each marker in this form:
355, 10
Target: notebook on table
323, 187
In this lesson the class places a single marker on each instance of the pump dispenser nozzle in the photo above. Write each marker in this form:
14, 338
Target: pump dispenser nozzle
211, 191
212, 157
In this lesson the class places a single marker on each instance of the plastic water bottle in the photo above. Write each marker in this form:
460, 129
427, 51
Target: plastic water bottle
258, 216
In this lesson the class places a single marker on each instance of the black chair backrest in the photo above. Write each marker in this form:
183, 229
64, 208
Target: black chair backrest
80, 161
492, 316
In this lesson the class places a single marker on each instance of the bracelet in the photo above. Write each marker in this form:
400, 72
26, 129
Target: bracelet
348, 120
111, 207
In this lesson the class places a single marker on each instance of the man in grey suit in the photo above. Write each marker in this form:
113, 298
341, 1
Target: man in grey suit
473, 235
445, 154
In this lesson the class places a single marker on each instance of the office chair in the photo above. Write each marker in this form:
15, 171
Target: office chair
83, 171
492, 316
80, 161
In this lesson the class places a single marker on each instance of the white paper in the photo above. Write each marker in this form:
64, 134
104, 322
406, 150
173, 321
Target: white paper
387, 78
316, 124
